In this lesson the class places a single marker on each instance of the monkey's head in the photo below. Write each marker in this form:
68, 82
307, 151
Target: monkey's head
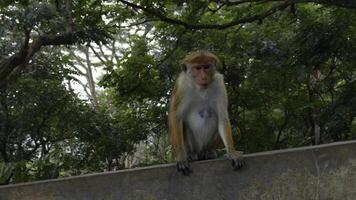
201, 67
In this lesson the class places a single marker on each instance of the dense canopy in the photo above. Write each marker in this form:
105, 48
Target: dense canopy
84, 85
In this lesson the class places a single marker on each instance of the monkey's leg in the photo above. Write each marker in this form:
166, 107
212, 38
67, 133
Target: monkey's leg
207, 155
210, 152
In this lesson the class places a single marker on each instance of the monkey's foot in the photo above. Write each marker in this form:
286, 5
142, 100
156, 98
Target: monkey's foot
184, 167
237, 159
238, 163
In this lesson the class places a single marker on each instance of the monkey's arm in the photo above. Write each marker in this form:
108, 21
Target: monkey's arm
175, 126
226, 136
225, 132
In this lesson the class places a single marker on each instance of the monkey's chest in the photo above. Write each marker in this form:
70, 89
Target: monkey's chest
201, 122
205, 113
201, 116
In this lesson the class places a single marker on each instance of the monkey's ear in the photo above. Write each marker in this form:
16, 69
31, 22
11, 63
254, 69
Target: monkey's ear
184, 67
219, 65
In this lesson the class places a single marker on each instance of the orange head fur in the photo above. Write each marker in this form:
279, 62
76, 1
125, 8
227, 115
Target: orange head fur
201, 66
201, 57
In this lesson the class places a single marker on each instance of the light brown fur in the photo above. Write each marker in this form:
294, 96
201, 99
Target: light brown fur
198, 118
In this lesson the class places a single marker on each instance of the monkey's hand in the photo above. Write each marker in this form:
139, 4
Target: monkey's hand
237, 159
184, 167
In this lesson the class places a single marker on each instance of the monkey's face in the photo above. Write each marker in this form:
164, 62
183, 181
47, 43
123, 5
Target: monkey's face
202, 74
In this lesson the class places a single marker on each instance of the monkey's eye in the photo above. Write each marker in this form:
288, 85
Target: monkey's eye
206, 66
200, 67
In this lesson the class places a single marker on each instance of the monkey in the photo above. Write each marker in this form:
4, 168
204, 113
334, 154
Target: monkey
198, 118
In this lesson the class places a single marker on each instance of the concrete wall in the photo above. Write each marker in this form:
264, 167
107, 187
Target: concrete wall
319, 172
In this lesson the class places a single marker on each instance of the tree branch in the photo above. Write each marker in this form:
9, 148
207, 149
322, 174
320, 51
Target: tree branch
246, 19
351, 4
68, 15
79, 70
27, 52
98, 55
282, 4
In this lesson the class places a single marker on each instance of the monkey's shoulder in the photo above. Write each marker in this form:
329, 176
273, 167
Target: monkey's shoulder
219, 77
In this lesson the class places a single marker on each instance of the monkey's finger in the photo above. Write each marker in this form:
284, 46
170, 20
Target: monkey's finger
186, 171
238, 163
180, 167
183, 166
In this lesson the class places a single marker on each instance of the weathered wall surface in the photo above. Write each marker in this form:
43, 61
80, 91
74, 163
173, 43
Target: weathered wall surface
320, 172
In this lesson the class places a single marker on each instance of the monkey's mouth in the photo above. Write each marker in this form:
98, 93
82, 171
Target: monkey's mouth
204, 85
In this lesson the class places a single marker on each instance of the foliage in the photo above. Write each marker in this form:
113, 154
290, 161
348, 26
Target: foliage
283, 75
46, 131
290, 76
5, 172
